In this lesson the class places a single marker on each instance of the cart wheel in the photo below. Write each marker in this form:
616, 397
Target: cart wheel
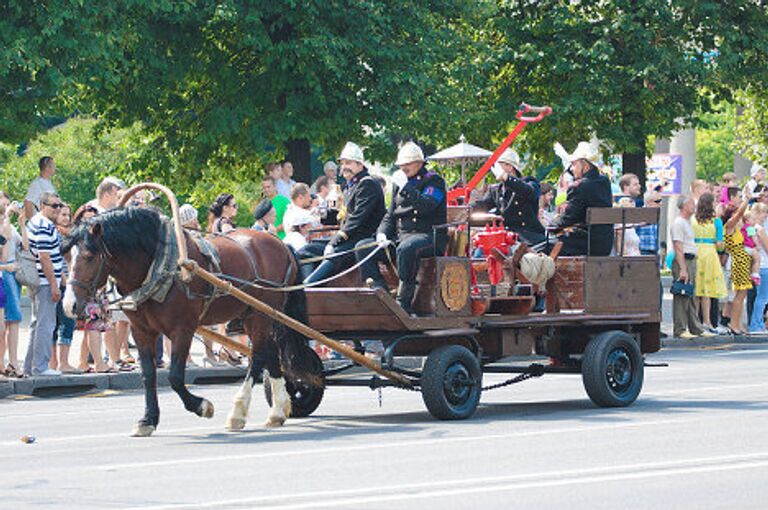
451, 382
612, 369
305, 398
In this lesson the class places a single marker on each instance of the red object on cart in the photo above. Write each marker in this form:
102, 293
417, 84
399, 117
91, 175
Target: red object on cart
494, 237
460, 195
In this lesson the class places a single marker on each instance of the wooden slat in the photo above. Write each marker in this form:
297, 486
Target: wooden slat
619, 215
622, 284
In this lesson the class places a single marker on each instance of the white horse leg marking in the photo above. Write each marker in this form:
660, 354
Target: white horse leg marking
239, 413
281, 402
69, 294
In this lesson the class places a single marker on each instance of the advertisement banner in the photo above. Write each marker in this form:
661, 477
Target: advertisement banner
665, 170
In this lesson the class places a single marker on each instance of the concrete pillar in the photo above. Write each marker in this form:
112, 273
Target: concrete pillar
741, 165
684, 143
662, 146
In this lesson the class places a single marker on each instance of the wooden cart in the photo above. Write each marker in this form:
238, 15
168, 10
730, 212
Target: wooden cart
602, 315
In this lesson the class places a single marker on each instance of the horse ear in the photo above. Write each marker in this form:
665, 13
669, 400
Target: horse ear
95, 230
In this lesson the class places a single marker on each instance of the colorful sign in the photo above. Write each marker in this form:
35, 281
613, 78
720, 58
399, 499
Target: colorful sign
665, 170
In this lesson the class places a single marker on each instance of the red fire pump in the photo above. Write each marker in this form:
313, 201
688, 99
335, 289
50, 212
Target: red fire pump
494, 237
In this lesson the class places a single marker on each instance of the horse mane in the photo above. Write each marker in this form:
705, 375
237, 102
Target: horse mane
125, 231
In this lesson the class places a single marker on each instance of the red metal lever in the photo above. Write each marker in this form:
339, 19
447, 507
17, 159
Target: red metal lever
455, 195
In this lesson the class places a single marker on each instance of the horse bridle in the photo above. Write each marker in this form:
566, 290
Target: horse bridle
91, 287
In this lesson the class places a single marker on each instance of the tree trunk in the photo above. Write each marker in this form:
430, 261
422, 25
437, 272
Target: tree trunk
634, 163
299, 156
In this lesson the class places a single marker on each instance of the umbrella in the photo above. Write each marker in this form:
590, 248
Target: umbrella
462, 154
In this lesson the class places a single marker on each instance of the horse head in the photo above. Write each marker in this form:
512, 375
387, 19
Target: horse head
119, 243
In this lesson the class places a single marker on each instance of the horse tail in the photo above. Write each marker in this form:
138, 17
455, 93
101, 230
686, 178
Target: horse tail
298, 360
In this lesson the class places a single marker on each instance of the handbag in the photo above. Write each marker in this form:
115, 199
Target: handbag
26, 272
681, 288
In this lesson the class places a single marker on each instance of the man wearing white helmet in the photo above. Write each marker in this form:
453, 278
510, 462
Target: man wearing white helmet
364, 200
418, 205
592, 190
515, 199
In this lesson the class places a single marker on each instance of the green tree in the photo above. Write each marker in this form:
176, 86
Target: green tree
752, 124
624, 69
715, 138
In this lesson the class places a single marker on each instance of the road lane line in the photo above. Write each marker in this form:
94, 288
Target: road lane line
445, 488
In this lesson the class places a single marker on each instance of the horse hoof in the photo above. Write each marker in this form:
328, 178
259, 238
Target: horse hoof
140, 430
235, 423
274, 422
206, 409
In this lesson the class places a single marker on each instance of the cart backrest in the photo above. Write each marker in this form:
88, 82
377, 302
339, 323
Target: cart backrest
622, 215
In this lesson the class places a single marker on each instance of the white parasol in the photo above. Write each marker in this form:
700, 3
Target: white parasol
462, 154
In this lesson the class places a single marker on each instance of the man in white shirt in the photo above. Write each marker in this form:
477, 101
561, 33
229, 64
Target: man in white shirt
301, 204
685, 318
107, 194
44, 244
41, 184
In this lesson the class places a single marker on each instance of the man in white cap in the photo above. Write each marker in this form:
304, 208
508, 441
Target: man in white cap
515, 199
418, 205
592, 190
364, 200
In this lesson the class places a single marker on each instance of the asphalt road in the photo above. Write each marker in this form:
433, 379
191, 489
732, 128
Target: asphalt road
695, 439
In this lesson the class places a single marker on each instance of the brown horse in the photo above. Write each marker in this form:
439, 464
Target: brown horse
123, 244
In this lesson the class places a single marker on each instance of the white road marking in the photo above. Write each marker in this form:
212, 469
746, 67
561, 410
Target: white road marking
463, 486
303, 451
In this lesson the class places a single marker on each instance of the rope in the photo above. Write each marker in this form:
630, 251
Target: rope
245, 283
333, 255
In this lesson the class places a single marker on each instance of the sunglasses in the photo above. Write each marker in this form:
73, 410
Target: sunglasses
57, 205
656, 201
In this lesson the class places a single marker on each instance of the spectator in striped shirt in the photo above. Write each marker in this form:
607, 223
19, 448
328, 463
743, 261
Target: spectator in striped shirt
44, 244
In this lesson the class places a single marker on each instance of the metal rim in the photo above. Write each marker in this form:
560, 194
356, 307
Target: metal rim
458, 384
619, 370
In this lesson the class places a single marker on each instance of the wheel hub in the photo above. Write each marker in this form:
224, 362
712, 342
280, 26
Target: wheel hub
457, 383
619, 370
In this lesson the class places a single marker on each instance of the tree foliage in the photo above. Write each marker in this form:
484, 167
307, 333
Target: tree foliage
210, 90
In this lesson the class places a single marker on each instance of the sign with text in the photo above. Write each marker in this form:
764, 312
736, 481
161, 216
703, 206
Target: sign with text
665, 170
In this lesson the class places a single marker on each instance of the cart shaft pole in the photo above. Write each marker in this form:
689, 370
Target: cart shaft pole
224, 340
292, 323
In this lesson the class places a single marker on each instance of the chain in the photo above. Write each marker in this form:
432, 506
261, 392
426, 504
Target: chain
536, 371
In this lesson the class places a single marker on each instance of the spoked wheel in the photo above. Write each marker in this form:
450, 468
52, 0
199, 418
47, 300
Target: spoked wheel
305, 398
612, 369
451, 382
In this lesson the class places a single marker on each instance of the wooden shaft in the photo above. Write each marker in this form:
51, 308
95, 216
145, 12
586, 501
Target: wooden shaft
224, 340
293, 323
180, 239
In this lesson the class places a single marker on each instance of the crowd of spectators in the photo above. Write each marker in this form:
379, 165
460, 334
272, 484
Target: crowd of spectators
718, 245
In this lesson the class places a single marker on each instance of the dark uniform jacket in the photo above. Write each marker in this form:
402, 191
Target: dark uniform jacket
517, 201
594, 190
415, 208
364, 199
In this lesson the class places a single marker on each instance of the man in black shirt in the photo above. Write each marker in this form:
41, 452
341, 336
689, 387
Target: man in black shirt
592, 190
364, 199
418, 204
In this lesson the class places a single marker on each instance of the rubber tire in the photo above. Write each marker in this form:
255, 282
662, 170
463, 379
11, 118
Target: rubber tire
595, 366
439, 362
304, 399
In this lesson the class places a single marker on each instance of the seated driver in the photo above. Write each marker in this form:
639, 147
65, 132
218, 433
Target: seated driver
514, 199
592, 189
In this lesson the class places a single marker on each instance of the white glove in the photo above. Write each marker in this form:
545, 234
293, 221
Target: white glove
328, 250
399, 179
381, 238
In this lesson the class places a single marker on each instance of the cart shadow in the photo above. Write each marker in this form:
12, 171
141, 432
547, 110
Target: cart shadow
324, 427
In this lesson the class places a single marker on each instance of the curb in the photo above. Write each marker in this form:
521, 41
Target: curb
74, 384
713, 341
